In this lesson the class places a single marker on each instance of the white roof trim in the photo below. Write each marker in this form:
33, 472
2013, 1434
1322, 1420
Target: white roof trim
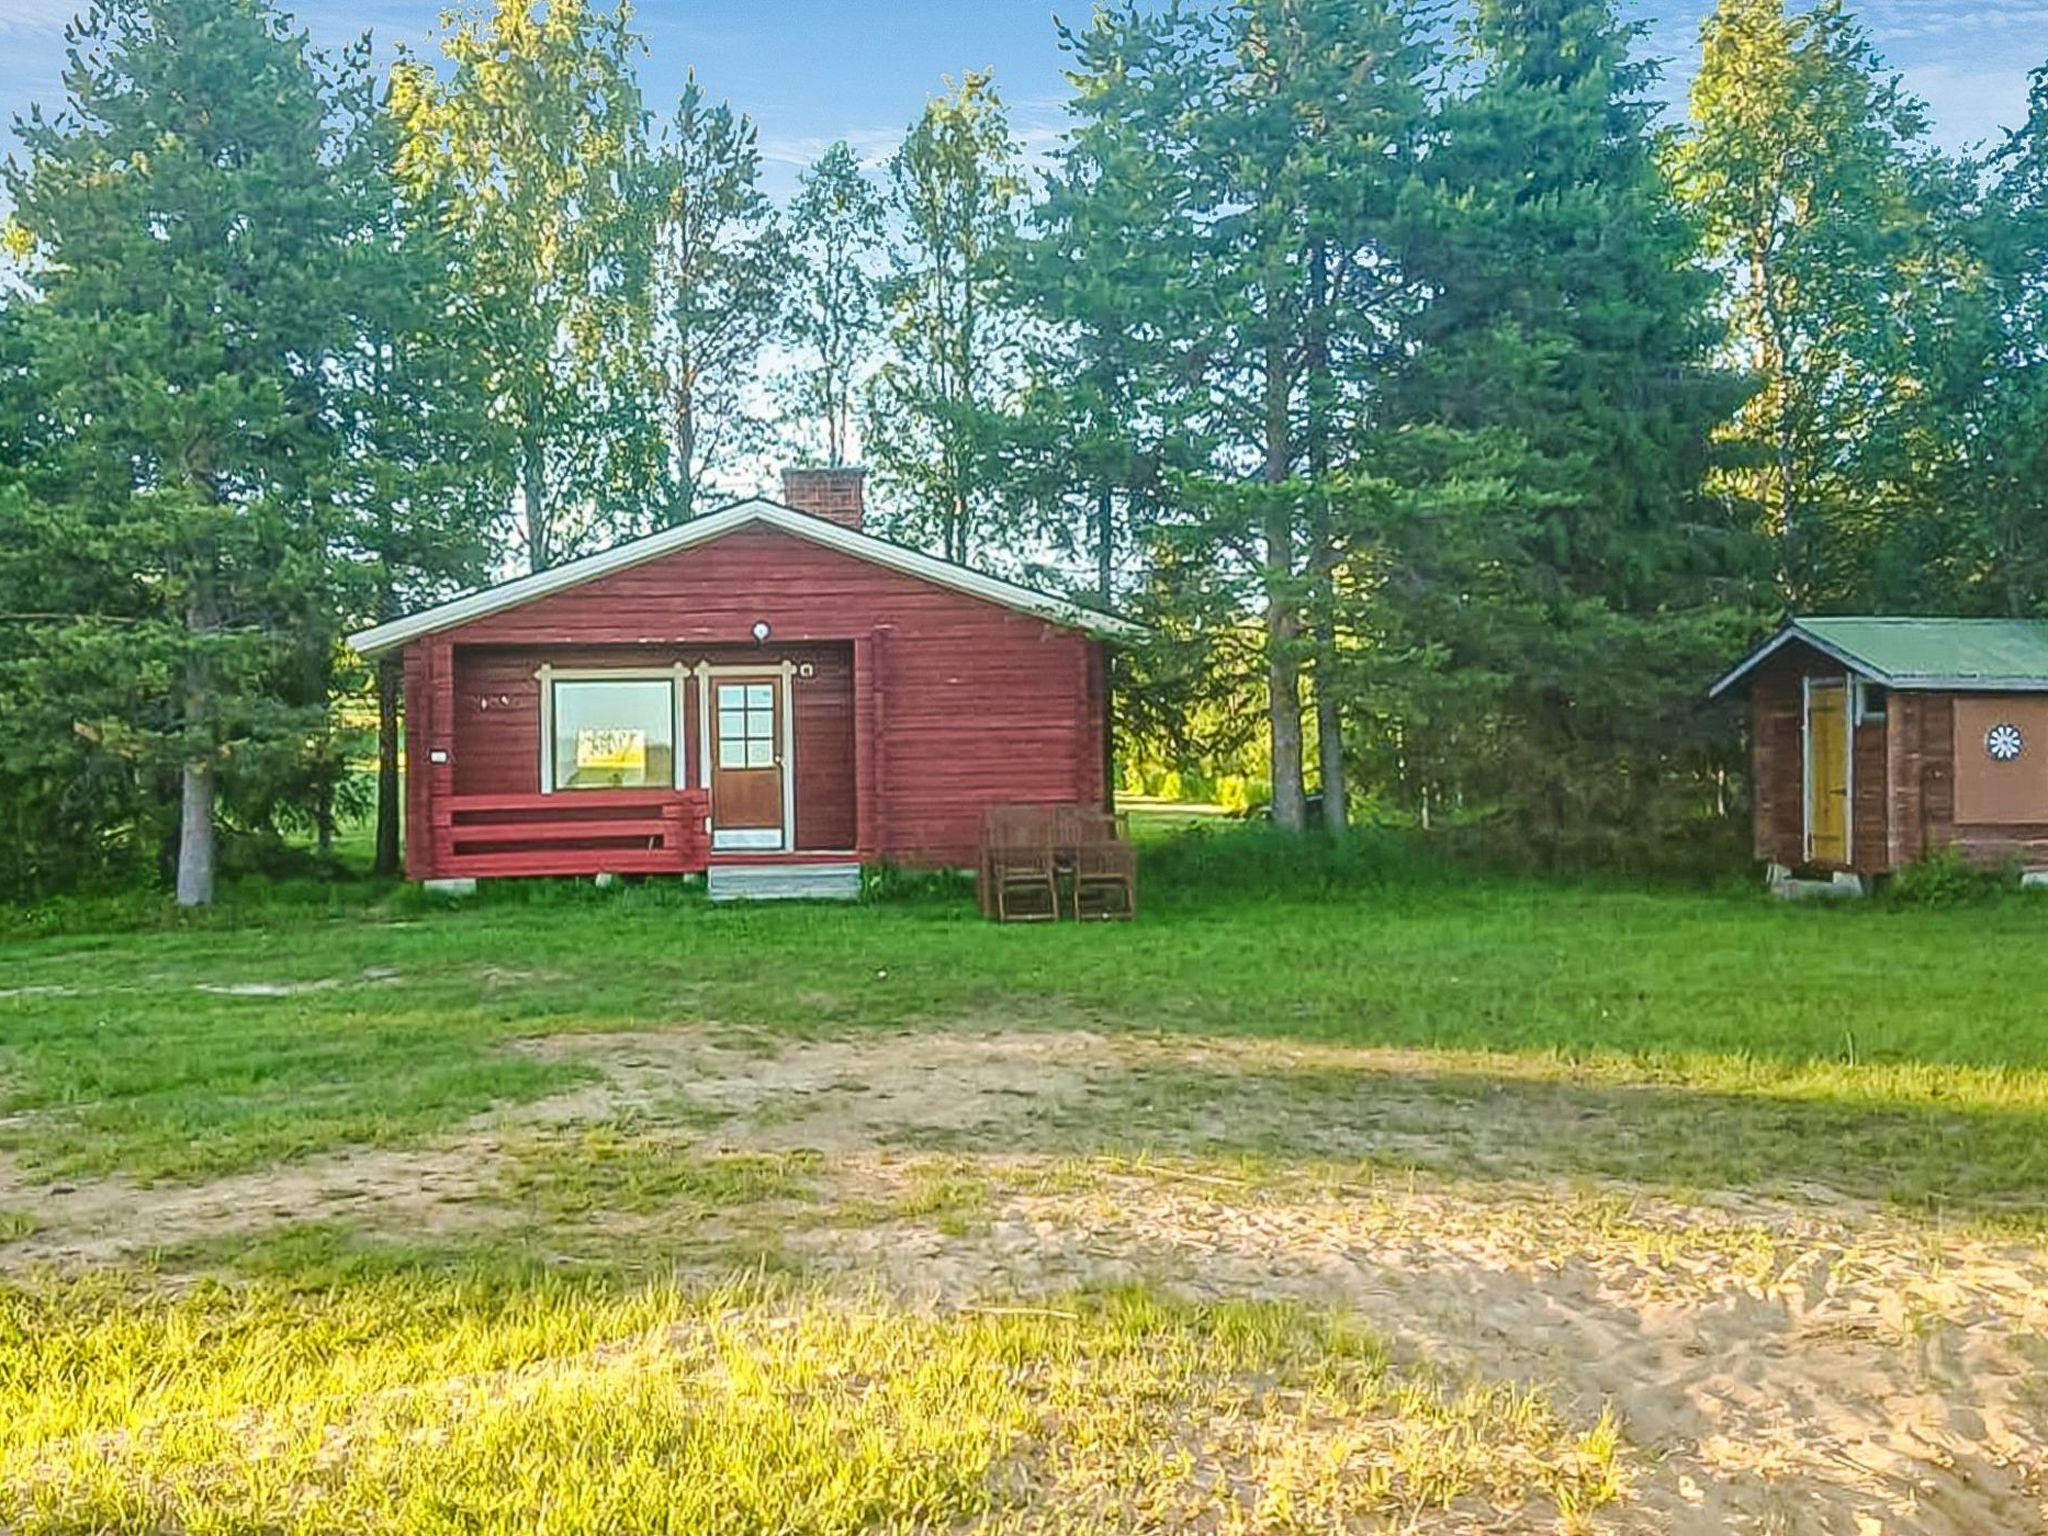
702, 530
1961, 682
1783, 638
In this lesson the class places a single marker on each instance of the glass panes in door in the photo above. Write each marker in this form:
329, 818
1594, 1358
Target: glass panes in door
746, 725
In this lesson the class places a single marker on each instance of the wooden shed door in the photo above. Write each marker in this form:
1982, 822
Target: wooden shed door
746, 763
1827, 772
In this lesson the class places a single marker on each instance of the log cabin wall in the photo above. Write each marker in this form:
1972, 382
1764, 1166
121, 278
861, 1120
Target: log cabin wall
1778, 767
928, 705
497, 720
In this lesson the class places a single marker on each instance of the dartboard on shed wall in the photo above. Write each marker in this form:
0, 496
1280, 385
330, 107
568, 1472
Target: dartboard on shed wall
2000, 760
2005, 742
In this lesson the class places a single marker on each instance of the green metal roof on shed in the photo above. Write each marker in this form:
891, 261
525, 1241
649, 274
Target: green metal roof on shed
1960, 655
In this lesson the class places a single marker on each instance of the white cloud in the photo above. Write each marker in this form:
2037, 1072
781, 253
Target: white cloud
871, 146
1968, 104
39, 19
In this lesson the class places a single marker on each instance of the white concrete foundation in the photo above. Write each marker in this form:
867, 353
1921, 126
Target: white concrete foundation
464, 885
1842, 887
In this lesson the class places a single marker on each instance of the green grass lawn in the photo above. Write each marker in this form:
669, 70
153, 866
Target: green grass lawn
620, 1321
1898, 1053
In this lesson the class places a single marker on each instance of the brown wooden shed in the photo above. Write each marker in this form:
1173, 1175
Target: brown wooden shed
1877, 741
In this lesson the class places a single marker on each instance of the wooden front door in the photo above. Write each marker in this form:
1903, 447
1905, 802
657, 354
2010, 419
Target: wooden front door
1827, 772
746, 762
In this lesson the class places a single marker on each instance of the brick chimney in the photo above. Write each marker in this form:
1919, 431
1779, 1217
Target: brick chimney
833, 494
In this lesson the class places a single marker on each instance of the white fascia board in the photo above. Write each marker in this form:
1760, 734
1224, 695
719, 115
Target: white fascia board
1785, 637
702, 530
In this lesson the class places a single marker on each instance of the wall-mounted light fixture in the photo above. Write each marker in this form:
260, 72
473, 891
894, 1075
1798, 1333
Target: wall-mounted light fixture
761, 629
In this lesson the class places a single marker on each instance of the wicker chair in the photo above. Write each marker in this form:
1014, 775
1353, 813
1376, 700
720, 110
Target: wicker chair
1019, 865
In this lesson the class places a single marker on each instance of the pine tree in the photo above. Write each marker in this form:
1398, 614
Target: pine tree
837, 236
1570, 318
1262, 148
1100, 425
720, 273
420, 478
185, 232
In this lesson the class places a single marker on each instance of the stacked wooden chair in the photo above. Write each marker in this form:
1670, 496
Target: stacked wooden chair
1102, 866
1019, 878
1029, 852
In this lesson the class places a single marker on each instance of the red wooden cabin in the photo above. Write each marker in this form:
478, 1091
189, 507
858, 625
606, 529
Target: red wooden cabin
767, 693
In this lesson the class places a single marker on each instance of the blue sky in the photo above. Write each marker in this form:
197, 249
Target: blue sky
809, 71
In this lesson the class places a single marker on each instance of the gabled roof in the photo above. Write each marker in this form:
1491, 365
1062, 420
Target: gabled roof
713, 525
1988, 655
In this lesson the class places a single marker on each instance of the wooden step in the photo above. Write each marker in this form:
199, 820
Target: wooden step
754, 881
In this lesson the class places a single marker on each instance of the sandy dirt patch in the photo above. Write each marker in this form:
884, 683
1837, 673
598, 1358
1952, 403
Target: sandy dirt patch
1788, 1376
423, 1193
834, 1095
1781, 1365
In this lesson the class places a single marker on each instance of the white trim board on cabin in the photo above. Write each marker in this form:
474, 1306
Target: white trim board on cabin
676, 676
818, 530
751, 839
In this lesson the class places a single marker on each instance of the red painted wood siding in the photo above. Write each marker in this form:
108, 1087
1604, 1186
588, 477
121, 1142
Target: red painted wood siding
497, 720
934, 705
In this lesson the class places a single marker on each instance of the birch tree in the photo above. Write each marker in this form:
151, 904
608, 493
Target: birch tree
720, 276
956, 190
837, 239
534, 145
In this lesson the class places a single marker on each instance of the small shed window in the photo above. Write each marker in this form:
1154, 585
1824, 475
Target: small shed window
614, 734
1870, 701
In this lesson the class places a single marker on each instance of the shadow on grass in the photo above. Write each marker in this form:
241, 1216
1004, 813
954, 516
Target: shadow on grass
1986, 1163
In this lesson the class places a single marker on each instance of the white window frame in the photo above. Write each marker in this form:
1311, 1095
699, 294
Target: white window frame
751, 839
677, 677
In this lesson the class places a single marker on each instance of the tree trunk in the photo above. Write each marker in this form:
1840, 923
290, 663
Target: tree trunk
1283, 683
1283, 673
195, 804
388, 683
1323, 553
533, 491
1105, 547
323, 833
1283, 612
686, 444
1330, 740
195, 834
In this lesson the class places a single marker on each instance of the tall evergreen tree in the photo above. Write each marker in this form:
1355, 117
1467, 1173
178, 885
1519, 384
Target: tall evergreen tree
1268, 142
719, 273
837, 236
1569, 315
1103, 422
420, 479
535, 146
185, 234
955, 188
1807, 167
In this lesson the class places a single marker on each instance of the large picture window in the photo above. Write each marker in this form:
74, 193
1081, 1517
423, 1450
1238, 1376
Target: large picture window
614, 733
